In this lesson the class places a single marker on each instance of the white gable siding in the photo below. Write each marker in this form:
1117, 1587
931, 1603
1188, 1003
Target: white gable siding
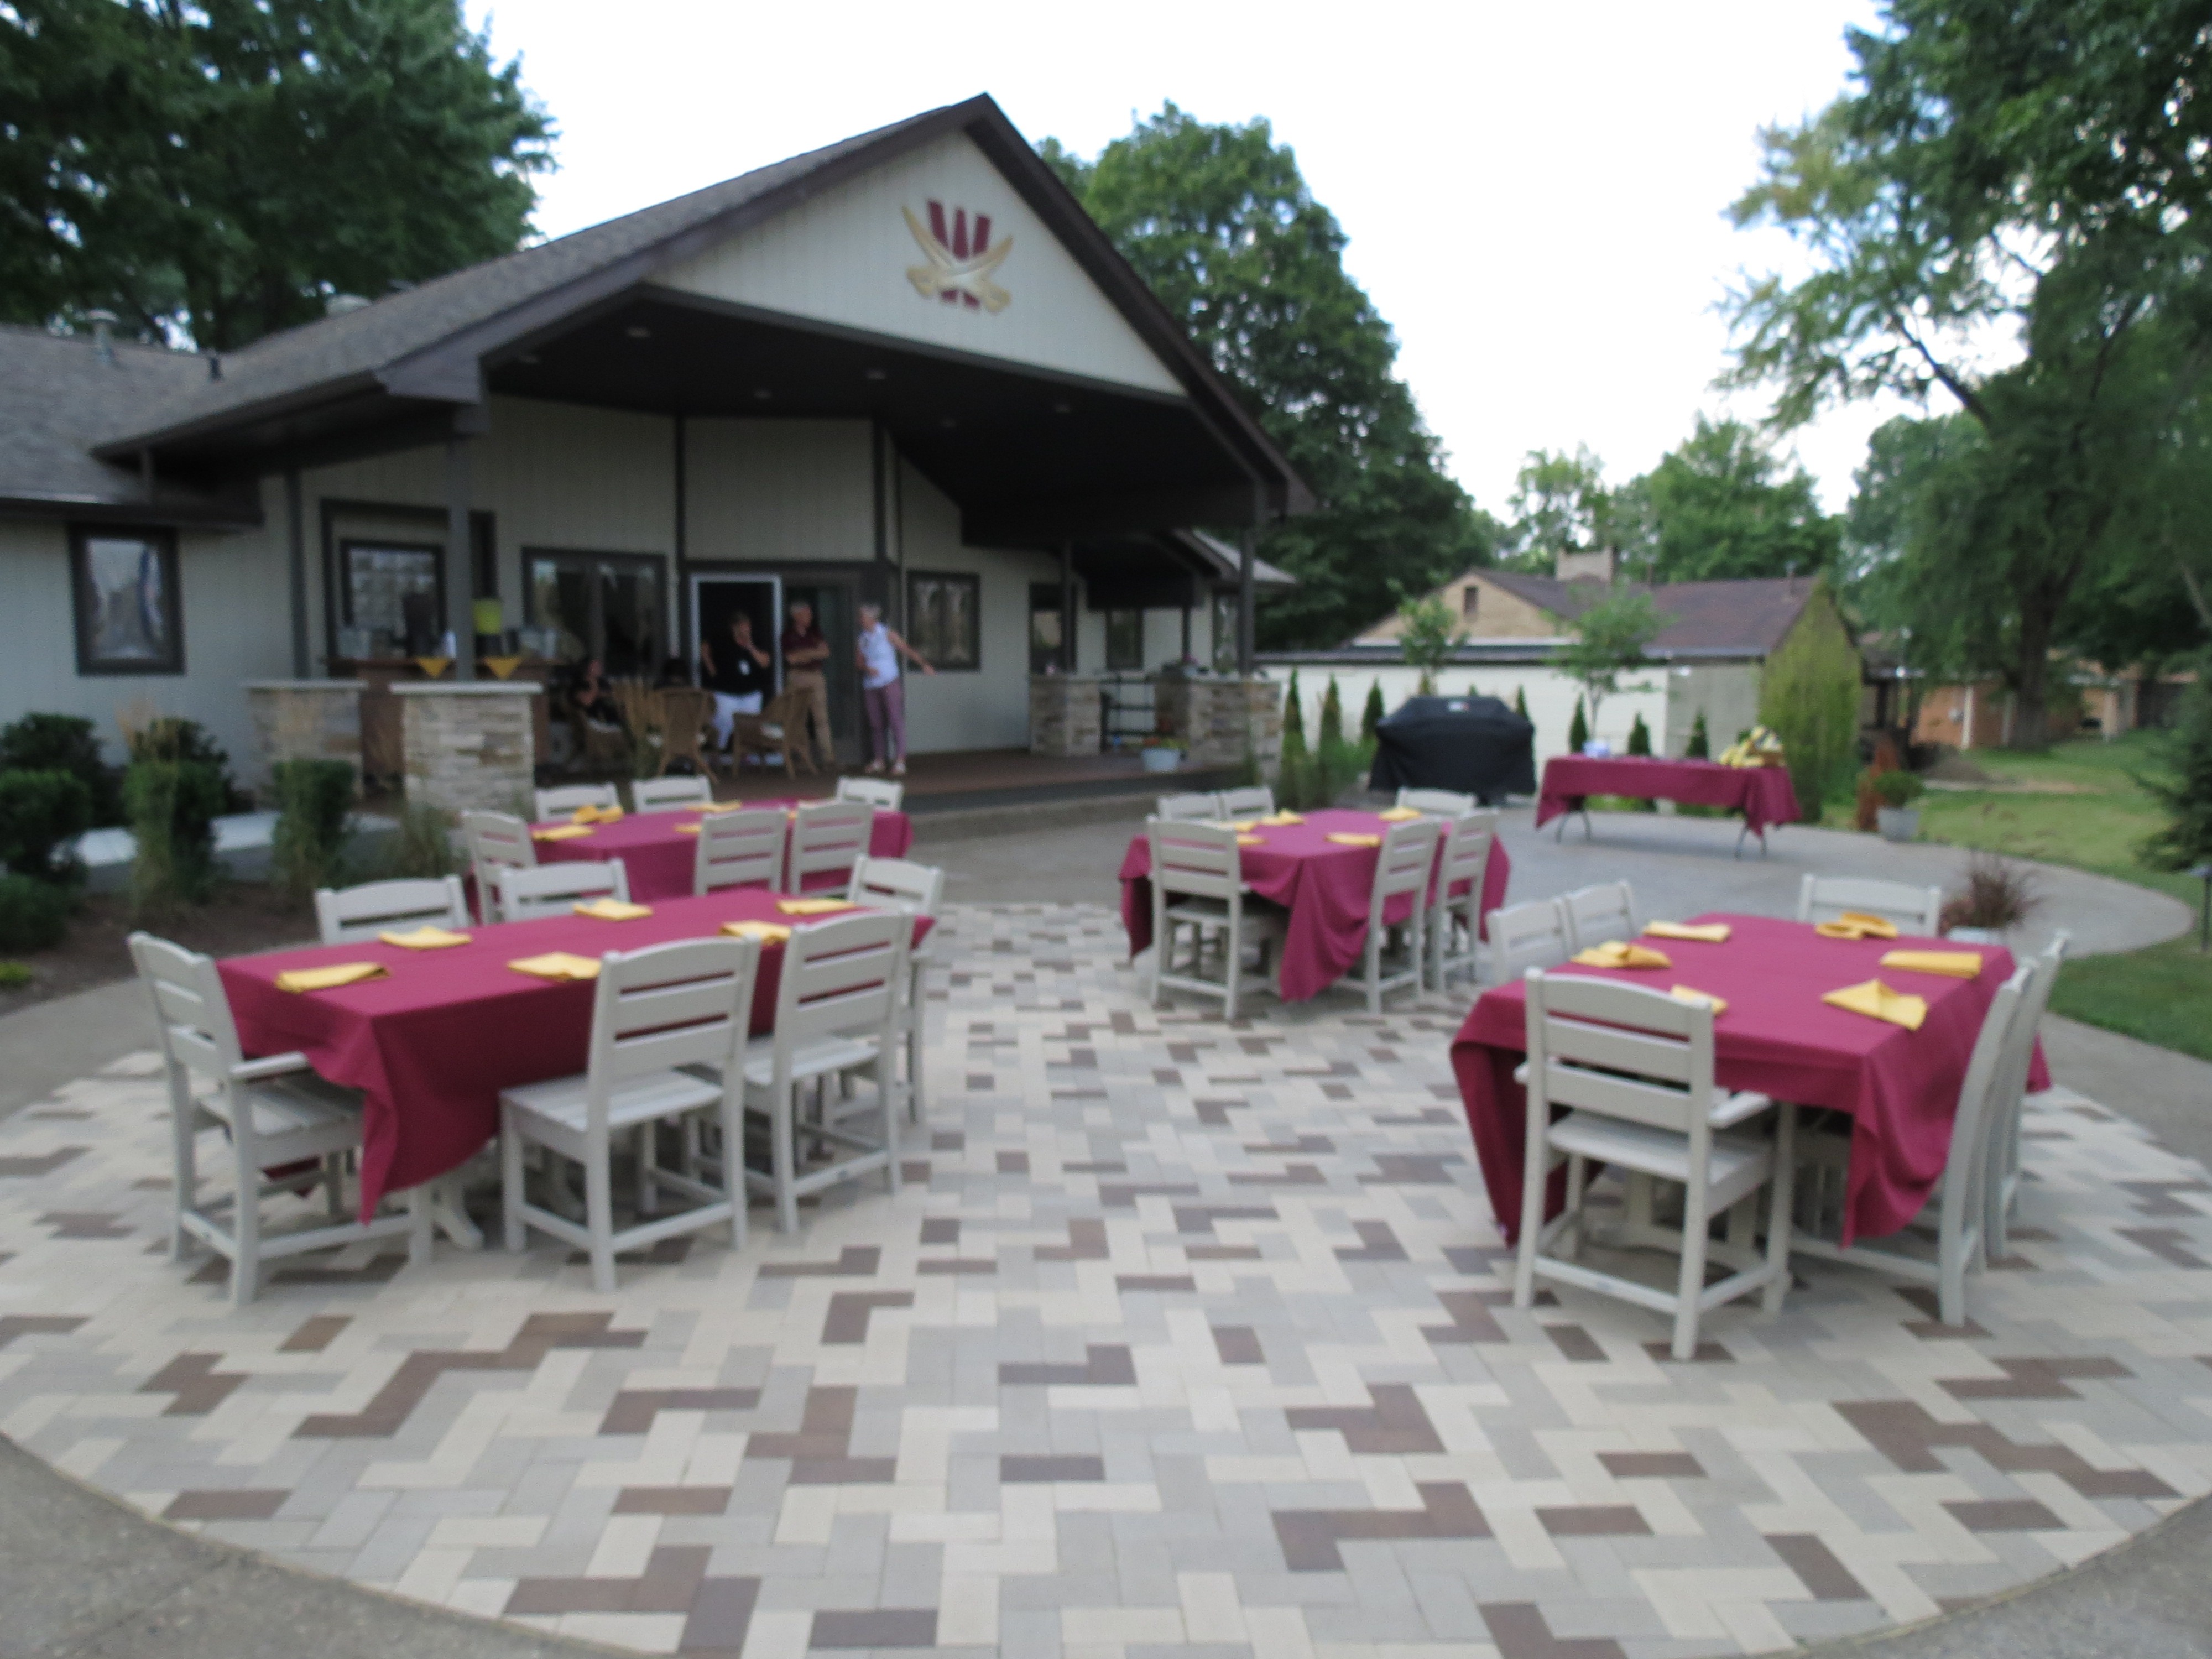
843, 258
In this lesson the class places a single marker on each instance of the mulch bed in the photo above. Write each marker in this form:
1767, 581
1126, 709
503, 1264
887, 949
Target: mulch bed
239, 919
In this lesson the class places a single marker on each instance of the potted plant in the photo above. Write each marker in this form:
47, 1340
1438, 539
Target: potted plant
1162, 755
1899, 818
1997, 898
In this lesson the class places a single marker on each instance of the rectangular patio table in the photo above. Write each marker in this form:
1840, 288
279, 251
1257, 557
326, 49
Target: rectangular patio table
1324, 884
659, 857
1777, 1037
1762, 794
432, 1046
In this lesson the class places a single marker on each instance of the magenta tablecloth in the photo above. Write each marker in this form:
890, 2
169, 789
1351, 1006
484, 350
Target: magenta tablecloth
431, 1047
1777, 1037
1762, 794
1324, 887
659, 857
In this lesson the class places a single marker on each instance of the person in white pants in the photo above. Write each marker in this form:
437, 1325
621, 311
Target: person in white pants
737, 671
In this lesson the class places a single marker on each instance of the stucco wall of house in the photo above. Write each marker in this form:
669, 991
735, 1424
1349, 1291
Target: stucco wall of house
1727, 692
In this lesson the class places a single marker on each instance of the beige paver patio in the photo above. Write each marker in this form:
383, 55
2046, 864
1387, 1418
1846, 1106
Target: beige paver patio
1183, 1338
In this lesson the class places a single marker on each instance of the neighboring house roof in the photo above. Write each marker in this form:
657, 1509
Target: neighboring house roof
1748, 617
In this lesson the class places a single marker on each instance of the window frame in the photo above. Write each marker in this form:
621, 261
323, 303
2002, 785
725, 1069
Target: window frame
656, 564
1119, 662
163, 541
349, 545
973, 582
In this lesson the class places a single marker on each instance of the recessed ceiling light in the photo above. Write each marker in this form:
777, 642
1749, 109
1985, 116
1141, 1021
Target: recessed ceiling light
1063, 408
762, 393
528, 357
638, 331
948, 423
878, 375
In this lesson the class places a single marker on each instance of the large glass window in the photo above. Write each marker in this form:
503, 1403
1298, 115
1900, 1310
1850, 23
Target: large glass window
129, 617
1224, 633
393, 594
1125, 639
608, 606
943, 618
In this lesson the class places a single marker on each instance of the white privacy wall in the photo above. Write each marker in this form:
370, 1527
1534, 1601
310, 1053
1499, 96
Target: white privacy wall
1551, 696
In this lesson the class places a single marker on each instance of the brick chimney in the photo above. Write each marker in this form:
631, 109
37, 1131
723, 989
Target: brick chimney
1587, 564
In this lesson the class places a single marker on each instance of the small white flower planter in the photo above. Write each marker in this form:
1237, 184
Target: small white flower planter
1899, 823
1162, 760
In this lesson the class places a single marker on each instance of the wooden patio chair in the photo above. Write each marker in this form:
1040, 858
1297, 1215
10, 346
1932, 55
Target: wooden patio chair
685, 716
765, 734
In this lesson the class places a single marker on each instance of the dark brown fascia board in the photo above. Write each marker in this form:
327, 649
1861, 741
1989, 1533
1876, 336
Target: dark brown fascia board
264, 409
234, 514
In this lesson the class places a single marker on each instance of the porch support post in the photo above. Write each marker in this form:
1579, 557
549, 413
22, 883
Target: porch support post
1067, 621
1189, 601
687, 627
461, 561
296, 549
1244, 640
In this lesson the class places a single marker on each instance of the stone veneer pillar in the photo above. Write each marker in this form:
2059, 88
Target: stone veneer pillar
1220, 717
1065, 717
306, 720
467, 744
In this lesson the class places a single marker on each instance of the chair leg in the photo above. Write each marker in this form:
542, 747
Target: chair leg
421, 1216
599, 1217
648, 1193
1691, 1284
732, 1114
245, 1236
887, 1099
334, 1186
1232, 967
510, 1178
1777, 1225
1535, 1178
782, 1159
183, 1132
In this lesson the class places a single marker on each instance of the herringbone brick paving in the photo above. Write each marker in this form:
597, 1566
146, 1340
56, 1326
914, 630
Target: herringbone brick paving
1185, 1339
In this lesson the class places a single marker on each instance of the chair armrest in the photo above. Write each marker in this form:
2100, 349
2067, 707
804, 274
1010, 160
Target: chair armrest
253, 1071
1521, 1074
1736, 1107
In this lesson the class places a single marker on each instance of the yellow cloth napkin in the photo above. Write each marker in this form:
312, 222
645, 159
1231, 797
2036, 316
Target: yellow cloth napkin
1855, 924
1399, 815
1251, 840
1352, 838
1619, 953
1879, 1002
424, 939
767, 933
330, 978
597, 815
686, 828
1712, 933
722, 806
1282, 820
561, 832
503, 667
813, 906
1688, 993
557, 964
1959, 964
613, 910
432, 666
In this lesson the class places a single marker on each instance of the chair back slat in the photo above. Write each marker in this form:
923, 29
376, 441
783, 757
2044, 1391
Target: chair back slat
1523, 936
1966, 1165
841, 977
680, 1004
1403, 863
673, 795
1201, 860
1191, 807
1596, 914
495, 842
1649, 1062
547, 890
1253, 799
740, 849
198, 1035
559, 803
896, 884
1467, 848
347, 915
1915, 909
827, 836
1618, 1050
1442, 803
884, 795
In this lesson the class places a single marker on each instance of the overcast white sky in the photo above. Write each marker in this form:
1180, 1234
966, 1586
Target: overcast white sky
1534, 194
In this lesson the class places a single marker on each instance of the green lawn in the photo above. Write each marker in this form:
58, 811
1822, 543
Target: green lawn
2162, 994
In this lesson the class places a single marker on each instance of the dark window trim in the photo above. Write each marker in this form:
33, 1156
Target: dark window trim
484, 537
349, 545
660, 563
1137, 662
974, 581
164, 541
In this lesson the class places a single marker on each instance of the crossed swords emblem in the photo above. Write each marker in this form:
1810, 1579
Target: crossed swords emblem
944, 274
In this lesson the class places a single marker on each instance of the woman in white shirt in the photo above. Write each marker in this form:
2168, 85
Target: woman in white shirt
882, 689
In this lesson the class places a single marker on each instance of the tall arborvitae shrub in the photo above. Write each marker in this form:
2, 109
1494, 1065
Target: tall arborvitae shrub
1294, 776
1371, 715
315, 818
1579, 730
2185, 789
1521, 701
1700, 745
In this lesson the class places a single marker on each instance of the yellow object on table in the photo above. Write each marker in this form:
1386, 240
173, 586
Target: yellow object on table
597, 815
1710, 933
1877, 1002
1689, 994
330, 978
813, 906
558, 964
424, 939
561, 832
722, 806
613, 910
1353, 838
686, 828
767, 933
1857, 924
433, 667
503, 667
1959, 964
1251, 840
1619, 953
1399, 815
1282, 820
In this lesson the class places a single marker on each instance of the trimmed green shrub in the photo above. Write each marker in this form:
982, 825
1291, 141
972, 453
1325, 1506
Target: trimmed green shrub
14, 976
2186, 792
1700, 746
1332, 719
1640, 738
315, 813
41, 816
1808, 696
1578, 730
1898, 788
421, 848
1521, 701
64, 743
171, 738
1295, 778
173, 805
33, 913
1371, 715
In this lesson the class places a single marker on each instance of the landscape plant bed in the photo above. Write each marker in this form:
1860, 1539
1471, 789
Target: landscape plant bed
239, 919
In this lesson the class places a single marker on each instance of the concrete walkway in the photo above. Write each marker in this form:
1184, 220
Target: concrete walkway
79, 1576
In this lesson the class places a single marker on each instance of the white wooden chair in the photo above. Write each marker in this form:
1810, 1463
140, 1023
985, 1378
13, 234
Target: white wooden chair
670, 794
884, 795
1192, 807
1634, 1070
2004, 1176
346, 916
1525, 936
560, 803
495, 842
273, 1112
1197, 884
836, 1017
1595, 914
1257, 801
667, 1006
827, 837
1403, 865
915, 889
1442, 803
740, 849
1957, 1211
1914, 909
552, 889
1455, 921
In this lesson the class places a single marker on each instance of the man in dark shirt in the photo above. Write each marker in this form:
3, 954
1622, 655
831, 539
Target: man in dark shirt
805, 652
737, 671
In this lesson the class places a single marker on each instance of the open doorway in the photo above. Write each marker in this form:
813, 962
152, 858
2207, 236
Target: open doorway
837, 602
715, 600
